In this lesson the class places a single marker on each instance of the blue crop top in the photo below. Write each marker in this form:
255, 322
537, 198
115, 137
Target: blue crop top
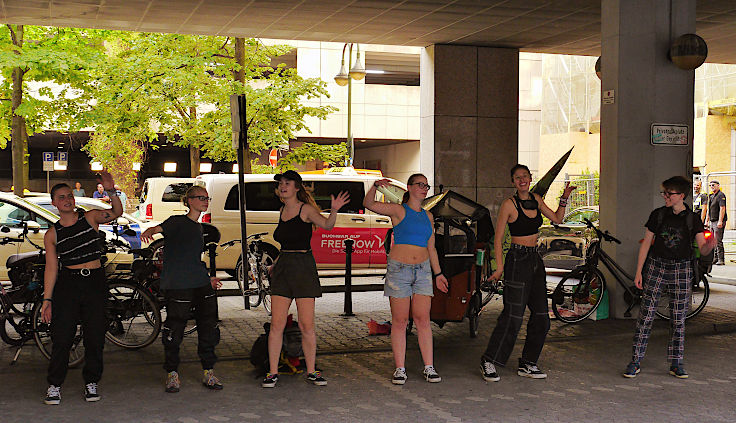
414, 229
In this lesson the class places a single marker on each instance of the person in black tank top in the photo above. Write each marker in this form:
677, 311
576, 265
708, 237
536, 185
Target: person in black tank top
524, 278
77, 290
294, 273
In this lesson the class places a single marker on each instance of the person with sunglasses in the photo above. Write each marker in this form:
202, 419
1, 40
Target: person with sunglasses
524, 278
187, 286
665, 263
412, 263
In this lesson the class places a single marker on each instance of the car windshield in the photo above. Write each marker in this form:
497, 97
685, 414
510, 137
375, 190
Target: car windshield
579, 216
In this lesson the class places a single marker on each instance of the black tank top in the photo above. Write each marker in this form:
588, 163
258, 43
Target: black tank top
293, 234
77, 244
525, 225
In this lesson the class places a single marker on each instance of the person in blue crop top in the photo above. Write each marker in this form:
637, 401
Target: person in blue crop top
412, 262
75, 288
294, 274
524, 278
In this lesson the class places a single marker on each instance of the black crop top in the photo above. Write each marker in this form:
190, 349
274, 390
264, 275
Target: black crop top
525, 225
77, 244
293, 234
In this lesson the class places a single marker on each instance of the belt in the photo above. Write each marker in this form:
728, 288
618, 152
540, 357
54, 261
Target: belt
80, 272
522, 247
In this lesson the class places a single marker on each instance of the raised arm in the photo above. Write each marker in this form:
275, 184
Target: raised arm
556, 216
50, 272
104, 216
386, 209
314, 216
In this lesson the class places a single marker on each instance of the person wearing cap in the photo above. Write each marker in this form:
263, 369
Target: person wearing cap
294, 273
715, 214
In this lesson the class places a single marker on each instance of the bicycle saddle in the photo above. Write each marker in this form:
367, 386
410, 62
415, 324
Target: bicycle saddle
15, 258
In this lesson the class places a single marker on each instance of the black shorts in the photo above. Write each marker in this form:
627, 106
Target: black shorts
295, 276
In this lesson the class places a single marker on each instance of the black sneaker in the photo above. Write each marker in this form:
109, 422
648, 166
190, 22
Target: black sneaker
316, 378
632, 370
530, 370
53, 395
90, 392
430, 375
399, 377
488, 370
678, 372
270, 380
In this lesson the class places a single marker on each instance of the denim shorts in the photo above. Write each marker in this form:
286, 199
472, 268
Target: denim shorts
404, 280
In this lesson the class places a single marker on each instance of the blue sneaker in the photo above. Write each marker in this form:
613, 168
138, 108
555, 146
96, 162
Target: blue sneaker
678, 372
632, 370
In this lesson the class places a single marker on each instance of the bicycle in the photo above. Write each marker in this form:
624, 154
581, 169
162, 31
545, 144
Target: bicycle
580, 291
257, 290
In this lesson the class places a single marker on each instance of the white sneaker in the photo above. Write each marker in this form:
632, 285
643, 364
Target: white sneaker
430, 374
399, 377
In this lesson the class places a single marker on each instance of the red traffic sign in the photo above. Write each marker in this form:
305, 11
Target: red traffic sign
273, 157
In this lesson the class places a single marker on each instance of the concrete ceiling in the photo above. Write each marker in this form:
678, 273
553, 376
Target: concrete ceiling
564, 26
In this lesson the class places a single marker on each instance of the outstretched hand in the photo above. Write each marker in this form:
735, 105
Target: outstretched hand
568, 189
106, 180
337, 202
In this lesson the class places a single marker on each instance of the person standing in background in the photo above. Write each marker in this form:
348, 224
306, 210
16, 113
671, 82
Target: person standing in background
717, 216
122, 196
78, 191
699, 200
101, 194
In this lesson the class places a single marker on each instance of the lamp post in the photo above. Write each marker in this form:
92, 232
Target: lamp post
357, 72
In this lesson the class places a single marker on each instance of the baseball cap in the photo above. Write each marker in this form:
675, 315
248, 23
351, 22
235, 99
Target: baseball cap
290, 175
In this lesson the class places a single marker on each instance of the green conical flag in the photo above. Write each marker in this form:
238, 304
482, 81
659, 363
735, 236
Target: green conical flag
542, 186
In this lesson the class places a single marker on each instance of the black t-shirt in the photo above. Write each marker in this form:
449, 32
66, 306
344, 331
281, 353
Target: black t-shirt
671, 240
715, 202
183, 244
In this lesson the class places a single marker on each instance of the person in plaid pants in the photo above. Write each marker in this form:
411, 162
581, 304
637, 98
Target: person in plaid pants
665, 264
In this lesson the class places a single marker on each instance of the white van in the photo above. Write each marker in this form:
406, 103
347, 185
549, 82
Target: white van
161, 198
366, 228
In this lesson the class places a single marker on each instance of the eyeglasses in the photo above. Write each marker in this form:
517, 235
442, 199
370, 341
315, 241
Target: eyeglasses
668, 193
422, 185
201, 197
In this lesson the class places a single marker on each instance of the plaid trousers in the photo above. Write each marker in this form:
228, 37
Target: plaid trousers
674, 277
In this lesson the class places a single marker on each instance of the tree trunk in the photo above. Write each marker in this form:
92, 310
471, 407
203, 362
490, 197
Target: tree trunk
193, 150
18, 135
240, 76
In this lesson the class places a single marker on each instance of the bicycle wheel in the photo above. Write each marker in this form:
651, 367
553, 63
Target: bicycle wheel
250, 290
42, 337
134, 319
265, 287
15, 324
578, 295
698, 300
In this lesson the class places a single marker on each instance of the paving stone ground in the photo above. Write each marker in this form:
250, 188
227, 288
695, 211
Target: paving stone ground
584, 362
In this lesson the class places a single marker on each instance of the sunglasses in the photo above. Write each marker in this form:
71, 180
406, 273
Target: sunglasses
422, 185
201, 197
668, 193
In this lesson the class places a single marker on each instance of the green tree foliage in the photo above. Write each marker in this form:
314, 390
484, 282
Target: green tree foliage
29, 54
180, 85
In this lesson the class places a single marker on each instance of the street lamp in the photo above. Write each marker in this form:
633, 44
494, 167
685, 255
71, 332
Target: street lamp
357, 72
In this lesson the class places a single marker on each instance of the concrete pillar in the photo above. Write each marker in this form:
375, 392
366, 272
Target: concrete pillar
469, 106
648, 88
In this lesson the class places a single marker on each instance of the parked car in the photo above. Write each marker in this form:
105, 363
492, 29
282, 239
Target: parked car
44, 200
14, 211
161, 198
564, 245
366, 228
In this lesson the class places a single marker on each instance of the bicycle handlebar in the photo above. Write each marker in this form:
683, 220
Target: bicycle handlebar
8, 240
235, 241
602, 235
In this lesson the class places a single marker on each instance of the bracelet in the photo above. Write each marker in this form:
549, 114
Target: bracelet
48, 299
437, 274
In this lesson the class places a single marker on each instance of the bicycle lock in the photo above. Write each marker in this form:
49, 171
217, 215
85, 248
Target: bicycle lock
348, 301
